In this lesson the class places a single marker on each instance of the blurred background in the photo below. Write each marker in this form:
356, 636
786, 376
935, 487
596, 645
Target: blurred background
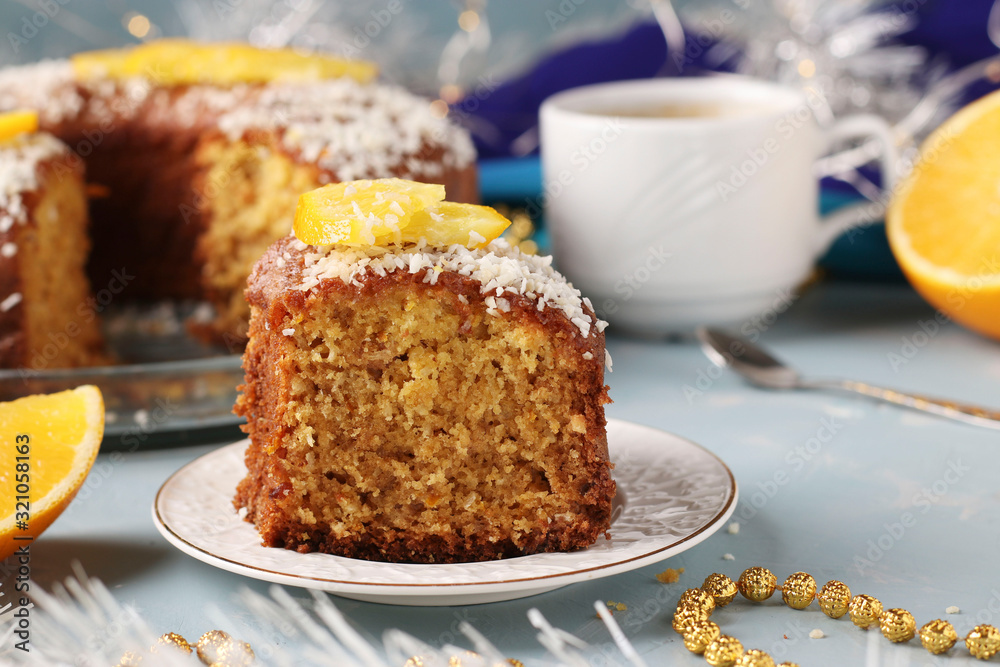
490, 64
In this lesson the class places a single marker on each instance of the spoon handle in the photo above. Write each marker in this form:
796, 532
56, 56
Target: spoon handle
963, 412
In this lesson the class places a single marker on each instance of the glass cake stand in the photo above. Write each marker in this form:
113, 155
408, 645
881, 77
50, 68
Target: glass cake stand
170, 388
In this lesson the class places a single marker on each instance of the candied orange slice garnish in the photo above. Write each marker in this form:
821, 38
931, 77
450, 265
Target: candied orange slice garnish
449, 223
14, 123
392, 211
181, 61
362, 212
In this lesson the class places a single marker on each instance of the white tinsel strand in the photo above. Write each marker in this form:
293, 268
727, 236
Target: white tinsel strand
81, 624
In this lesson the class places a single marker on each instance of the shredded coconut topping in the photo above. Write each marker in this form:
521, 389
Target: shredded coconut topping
499, 267
10, 302
19, 159
46, 86
349, 129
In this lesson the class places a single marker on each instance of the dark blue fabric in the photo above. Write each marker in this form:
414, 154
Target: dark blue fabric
952, 30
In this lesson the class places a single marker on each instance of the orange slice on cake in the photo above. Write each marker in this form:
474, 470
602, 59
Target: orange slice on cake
16, 123
392, 211
181, 61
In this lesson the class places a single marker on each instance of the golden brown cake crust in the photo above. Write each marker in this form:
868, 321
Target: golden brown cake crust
268, 491
45, 318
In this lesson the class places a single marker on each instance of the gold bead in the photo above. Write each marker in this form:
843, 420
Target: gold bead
834, 598
699, 635
897, 625
983, 642
757, 584
720, 587
755, 658
938, 636
130, 659
515, 662
471, 656
724, 651
685, 616
865, 611
218, 648
175, 640
798, 590
696, 598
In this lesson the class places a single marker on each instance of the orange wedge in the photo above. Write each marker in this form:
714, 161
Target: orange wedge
50, 443
14, 123
943, 222
181, 61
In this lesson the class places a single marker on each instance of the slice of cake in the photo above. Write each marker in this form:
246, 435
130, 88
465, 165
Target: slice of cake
420, 403
48, 318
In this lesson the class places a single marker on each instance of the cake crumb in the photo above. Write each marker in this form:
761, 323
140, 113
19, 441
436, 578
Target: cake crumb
953, 610
670, 575
617, 606
816, 633
733, 528
728, 557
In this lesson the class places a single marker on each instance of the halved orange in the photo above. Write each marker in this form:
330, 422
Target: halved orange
943, 221
49, 445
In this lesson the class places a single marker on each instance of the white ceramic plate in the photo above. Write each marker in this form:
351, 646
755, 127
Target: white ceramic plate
672, 494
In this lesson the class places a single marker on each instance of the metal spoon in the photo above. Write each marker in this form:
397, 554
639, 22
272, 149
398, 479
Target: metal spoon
763, 370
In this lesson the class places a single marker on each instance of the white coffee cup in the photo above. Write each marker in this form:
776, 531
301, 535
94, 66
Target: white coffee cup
674, 203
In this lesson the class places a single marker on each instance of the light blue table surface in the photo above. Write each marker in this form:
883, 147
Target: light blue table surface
851, 471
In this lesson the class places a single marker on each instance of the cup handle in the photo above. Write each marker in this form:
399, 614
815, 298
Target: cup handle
880, 144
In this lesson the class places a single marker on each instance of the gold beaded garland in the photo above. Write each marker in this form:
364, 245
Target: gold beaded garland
983, 641
755, 658
798, 590
720, 587
695, 598
699, 635
898, 625
724, 651
865, 611
834, 598
757, 584
938, 636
